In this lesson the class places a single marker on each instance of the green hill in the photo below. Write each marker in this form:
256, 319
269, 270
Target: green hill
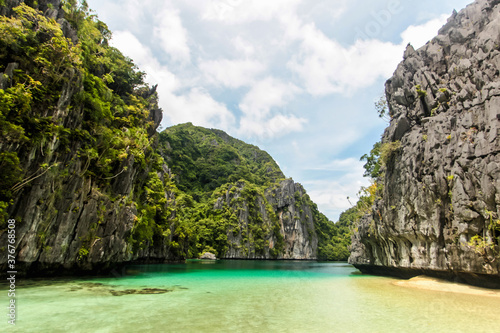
204, 159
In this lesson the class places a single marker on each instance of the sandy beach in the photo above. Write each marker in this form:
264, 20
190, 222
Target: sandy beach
428, 283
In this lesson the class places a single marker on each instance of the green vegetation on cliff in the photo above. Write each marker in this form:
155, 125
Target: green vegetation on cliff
73, 107
208, 164
204, 159
334, 239
85, 171
114, 118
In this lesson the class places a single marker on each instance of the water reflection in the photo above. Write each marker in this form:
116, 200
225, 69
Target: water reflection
340, 268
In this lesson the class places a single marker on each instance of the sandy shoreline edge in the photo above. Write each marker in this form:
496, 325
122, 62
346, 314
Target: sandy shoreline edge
428, 283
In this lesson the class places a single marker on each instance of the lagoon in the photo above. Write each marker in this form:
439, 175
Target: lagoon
243, 296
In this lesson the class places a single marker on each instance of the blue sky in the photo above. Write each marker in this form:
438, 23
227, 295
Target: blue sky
298, 78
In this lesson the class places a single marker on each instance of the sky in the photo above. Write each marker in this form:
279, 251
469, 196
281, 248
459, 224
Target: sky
298, 78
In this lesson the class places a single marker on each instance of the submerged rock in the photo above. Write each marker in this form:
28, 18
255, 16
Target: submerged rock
145, 291
106, 289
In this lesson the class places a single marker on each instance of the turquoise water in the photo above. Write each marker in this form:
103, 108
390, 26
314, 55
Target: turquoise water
243, 296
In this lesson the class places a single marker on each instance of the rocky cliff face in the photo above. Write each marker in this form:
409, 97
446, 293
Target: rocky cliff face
71, 213
439, 211
276, 225
296, 219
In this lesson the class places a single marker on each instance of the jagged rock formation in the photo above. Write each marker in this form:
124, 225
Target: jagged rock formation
439, 211
276, 225
208, 256
296, 219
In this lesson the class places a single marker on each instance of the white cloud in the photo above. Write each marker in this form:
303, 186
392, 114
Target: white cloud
243, 46
231, 73
244, 11
327, 67
323, 11
196, 105
419, 35
172, 35
280, 124
258, 107
331, 195
348, 164
369, 61
265, 95
333, 12
275, 126
110, 10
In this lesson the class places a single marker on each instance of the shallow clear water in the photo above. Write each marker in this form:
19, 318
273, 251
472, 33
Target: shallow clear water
244, 296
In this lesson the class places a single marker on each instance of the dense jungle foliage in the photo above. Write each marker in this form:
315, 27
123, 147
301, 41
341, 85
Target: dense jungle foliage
204, 159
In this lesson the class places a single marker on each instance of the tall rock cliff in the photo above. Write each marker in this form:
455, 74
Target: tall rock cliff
86, 176
438, 212
76, 151
275, 224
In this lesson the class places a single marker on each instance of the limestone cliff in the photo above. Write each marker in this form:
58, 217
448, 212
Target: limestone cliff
76, 147
439, 209
276, 224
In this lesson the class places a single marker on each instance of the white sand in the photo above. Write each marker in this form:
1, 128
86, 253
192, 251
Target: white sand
428, 283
